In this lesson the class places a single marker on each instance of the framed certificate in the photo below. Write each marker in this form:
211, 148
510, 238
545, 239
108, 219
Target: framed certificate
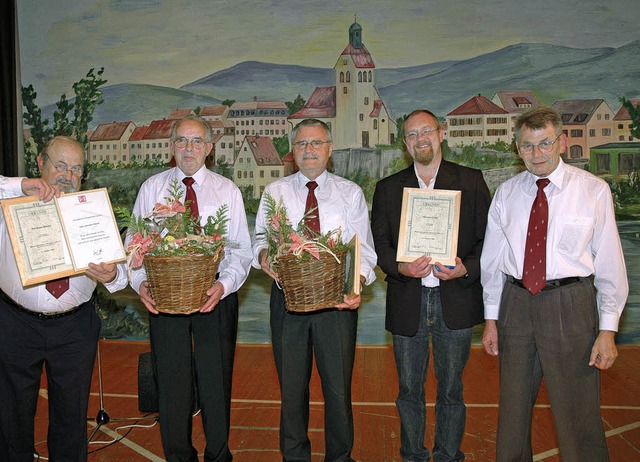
61, 237
352, 273
429, 224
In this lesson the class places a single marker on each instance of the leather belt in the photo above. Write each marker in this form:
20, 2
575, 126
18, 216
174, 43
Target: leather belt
552, 284
57, 314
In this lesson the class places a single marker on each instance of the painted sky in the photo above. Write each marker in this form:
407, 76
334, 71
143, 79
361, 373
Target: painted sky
174, 42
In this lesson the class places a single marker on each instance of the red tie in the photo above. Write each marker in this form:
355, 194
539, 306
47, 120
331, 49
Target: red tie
312, 216
191, 196
57, 287
534, 274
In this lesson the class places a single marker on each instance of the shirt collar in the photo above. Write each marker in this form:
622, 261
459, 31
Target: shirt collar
556, 177
198, 177
321, 180
421, 183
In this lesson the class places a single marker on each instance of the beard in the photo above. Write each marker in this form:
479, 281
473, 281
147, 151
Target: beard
423, 156
65, 185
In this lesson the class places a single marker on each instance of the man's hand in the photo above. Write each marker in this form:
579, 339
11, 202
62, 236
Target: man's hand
350, 302
490, 337
266, 267
215, 293
39, 188
104, 272
445, 274
418, 268
604, 351
145, 297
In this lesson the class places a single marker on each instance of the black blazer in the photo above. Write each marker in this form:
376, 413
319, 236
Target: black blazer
462, 304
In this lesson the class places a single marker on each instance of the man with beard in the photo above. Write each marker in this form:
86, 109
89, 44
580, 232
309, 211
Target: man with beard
428, 299
54, 324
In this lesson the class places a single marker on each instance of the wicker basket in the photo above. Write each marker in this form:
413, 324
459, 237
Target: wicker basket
179, 284
313, 284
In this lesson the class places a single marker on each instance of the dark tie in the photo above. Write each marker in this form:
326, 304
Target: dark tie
312, 217
57, 287
191, 197
534, 274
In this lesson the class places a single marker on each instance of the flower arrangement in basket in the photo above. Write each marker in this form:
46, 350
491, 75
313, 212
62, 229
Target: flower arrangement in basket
311, 267
180, 257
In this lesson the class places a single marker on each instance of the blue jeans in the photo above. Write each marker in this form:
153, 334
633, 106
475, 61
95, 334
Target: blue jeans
450, 352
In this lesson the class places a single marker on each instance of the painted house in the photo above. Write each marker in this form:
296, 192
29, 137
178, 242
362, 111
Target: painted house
262, 118
586, 123
214, 113
476, 122
224, 135
257, 164
110, 142
622, 123
155, 141
136, 151
353, 107
515, 103
615, 158
180, 113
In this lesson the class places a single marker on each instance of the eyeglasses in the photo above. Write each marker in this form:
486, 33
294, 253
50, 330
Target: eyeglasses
315, 144
77, 170
413, 135
544, 146
197, 143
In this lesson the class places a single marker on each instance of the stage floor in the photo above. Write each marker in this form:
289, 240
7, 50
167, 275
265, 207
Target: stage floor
256, 405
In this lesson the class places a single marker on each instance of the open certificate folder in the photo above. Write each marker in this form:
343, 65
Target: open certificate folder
61, 237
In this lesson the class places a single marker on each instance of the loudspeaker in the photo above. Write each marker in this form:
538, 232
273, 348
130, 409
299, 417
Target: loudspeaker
148, 387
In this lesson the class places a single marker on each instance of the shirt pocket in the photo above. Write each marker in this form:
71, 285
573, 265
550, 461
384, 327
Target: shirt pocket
575, 234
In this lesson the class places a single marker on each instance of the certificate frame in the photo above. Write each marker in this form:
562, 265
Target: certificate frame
429, 225
38, 235
352, 284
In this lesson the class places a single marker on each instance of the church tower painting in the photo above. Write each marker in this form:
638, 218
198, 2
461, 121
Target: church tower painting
353, 108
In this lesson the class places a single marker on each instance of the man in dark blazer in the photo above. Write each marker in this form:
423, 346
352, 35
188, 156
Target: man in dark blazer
426, 299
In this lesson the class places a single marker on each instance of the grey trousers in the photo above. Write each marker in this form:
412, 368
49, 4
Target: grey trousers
550, 334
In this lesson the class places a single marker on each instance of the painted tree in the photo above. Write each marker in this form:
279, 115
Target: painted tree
634, 112
295, 105
87, 96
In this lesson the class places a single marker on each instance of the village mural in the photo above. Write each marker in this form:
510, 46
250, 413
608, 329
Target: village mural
118, 73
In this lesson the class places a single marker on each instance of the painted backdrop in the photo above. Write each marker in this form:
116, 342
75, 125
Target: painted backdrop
162, 55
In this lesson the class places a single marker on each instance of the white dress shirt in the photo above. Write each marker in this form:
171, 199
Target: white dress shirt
36, 297
582, 238
341, 204
212, 191
429, 280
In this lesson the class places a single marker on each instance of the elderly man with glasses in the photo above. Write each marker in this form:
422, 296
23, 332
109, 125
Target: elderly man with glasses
555, 285
204, 340
51, 324
329, 334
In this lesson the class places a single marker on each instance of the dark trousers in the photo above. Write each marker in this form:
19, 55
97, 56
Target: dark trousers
550, 334
206, 342
66, 346
330, 336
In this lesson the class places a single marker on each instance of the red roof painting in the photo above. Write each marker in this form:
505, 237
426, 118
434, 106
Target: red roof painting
477, 105
361, 57
321, 104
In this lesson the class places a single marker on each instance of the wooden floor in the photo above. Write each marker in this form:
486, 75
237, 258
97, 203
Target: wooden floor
254, 433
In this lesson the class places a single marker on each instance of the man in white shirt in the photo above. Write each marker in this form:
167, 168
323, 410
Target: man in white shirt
329, 334
55, 326
552, 321
206, 339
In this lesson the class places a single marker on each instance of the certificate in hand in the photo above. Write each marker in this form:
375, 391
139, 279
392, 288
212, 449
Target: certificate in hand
429, 224
61, 237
